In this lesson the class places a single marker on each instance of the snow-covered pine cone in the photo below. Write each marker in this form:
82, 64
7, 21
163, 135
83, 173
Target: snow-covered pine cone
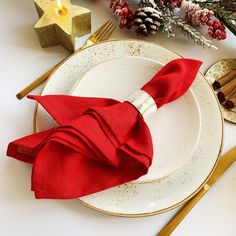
148, 20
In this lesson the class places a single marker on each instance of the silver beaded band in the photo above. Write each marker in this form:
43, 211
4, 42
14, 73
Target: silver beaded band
144, 103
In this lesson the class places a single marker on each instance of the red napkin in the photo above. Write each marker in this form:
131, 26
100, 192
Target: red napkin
100, 142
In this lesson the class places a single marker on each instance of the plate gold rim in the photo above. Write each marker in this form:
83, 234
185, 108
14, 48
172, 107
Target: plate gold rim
138, 215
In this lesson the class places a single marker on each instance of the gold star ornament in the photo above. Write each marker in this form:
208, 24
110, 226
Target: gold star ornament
61, 22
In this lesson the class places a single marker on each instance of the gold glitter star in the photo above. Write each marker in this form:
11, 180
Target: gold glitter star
61, 24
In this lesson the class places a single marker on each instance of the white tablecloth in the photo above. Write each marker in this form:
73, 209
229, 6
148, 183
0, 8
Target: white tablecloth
22, 60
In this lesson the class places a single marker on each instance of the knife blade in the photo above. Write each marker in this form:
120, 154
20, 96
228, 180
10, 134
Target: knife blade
224, 163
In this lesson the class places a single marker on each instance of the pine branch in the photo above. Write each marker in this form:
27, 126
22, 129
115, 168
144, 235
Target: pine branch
150, 3
192, 33
170, 19
205, 1
147, 3
167, 29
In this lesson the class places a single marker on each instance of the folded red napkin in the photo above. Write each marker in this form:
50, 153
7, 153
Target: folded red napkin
100, 142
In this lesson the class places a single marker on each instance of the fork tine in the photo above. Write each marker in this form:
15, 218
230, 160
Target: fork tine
100, 29
103, 30
106, 31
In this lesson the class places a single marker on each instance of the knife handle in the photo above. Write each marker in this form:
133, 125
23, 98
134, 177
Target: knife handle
176, 220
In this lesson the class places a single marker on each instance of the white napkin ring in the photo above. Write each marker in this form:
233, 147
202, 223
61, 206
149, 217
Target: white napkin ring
144, 103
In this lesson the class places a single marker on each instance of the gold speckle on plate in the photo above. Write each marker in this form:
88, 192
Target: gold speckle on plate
216, 71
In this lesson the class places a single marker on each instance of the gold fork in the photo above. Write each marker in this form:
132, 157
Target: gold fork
102, 34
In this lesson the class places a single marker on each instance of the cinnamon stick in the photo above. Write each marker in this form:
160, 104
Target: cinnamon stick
231, 102
227, 90
224, 79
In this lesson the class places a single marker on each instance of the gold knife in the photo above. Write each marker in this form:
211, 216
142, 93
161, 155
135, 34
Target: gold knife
224, 163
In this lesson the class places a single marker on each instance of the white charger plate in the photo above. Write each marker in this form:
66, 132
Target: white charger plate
173, 141
135, 199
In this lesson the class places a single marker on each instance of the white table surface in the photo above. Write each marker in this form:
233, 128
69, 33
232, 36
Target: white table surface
22, 60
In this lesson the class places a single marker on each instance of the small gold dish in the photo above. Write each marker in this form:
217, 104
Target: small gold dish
213, 73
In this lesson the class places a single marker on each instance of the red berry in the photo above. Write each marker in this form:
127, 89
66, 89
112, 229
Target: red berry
211, 28
210, 22
218, 32
210, 33
222, 27
223, 35
125, 11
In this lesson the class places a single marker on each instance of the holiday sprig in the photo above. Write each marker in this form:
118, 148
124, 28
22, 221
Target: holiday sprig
198, 16
123, 12
225, 10
192, 33
155, 15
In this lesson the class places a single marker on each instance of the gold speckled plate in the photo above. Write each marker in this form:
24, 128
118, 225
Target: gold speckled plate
216, 71
144, 199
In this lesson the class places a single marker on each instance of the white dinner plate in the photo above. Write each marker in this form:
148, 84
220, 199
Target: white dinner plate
173, 141
135, 199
